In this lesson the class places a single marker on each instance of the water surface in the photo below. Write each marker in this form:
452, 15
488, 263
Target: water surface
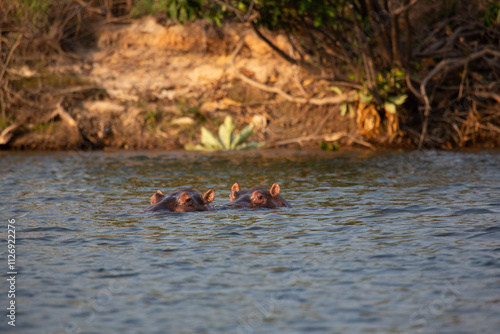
391, 242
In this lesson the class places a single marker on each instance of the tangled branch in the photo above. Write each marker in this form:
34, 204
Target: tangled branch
445, 64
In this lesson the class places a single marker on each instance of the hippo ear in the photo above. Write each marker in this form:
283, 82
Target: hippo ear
157, 197
234, 192
275, 190
160, 192
208, 196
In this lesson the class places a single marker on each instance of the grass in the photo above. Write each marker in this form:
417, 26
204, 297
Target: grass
46, 79
152, 117
43, 128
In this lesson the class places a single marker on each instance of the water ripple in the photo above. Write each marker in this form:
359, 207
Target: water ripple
386, 242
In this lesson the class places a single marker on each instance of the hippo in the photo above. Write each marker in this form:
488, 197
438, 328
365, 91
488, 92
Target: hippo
182, 200
256, 197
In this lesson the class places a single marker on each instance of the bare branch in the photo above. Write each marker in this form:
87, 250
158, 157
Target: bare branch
7, 133
316, 101
75, 90
336, 136
274, 47
493, 96
449, 64
249, 12
4, 66
403, 9
235, 10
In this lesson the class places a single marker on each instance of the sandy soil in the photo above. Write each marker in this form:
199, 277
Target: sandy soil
162, 83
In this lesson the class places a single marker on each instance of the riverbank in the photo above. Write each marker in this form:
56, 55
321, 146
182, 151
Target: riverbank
150, 84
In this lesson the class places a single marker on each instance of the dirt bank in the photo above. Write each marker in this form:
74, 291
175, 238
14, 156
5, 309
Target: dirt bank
145, 85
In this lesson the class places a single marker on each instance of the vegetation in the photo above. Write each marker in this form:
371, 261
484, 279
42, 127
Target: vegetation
446, 68
328, 146
227, 140
436, 85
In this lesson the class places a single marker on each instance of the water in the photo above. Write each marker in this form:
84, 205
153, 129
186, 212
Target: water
391, 242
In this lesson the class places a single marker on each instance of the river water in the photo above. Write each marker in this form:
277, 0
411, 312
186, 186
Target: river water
386, 242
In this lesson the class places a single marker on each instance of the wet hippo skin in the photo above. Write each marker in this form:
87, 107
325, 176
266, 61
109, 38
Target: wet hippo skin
256, 197
182, 200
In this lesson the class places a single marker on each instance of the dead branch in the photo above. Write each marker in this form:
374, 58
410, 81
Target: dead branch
492, 127
249, 12
340, 83
74, 90
462, 82
460, 32
235, 10
7, 133
4, 66
297, 81
65, 116
431, 36
349, 97
404, 9
295, 70
323, 121
23, 100
409, 34
410, 86
361, 142
395, 36
336, 136
274, 47
483, 95
445, 47
396, 54
446, 64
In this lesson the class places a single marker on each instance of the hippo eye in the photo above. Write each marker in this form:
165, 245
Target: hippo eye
260, 197
189, 201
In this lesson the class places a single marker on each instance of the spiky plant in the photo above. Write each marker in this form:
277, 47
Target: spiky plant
226, 141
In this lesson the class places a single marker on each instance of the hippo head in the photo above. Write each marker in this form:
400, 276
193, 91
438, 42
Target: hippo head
257, 197
182, 200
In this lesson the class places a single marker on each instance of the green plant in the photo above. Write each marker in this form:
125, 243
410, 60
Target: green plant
142, 103
196, 114
391, 89
226, 141
326, 146
43, 128
47, 79
178, 10
344, 106
5, 122
36, 12
491, 15
151, 118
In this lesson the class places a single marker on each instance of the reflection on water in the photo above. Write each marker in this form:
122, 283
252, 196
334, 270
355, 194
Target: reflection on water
391, 242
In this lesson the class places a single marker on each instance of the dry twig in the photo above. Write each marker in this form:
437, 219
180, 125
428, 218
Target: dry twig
336, 136
349, 97
4, 66
442, 65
